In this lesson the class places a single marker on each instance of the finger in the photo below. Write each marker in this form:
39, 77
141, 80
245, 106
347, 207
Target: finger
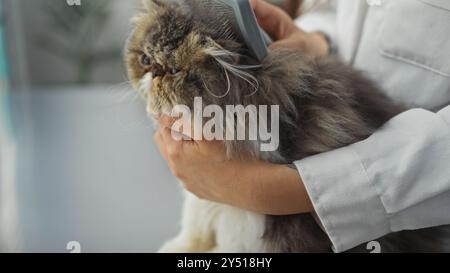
210, 147
170, 137
295, 42
160, 144
284, 44
177, 125
278, 44
166, 121
272, 19
173, 146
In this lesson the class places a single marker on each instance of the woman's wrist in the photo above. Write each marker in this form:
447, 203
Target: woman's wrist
272, 189
318, 45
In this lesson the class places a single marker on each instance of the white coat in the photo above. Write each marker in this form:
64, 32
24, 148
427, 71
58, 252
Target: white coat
399, 178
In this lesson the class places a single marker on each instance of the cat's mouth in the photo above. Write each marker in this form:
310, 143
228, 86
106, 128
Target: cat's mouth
157, 79
149, 83
159, 72
151, 88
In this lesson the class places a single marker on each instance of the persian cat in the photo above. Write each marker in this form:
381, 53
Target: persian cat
174, 55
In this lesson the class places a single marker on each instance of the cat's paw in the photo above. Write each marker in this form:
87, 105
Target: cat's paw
175, 246
219, 250
183, 245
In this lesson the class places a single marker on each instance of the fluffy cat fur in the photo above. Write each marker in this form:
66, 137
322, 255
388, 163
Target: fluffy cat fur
174, 55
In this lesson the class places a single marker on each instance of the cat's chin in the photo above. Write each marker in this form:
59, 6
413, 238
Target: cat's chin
152, 114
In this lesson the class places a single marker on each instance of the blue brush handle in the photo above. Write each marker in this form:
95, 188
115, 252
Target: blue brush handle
266, 37
256, 38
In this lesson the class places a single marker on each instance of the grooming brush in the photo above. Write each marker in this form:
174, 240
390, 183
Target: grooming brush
238, 16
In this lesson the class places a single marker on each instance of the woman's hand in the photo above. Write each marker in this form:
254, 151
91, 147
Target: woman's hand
252, 185
279, 25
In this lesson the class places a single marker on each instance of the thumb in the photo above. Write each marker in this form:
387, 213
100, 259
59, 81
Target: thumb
272, 19
292, 43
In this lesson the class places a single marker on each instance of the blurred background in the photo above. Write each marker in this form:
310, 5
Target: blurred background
77, 159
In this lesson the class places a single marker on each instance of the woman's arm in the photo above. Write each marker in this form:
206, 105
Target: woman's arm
398, 179
253, 185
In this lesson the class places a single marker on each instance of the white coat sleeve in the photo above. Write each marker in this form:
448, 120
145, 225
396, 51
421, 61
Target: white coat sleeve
397, 179
322, 19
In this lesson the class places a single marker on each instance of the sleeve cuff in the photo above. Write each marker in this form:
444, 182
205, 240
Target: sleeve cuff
345, 201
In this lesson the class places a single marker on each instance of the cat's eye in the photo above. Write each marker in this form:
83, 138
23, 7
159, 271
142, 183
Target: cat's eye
145, 60
192, 78
174, 71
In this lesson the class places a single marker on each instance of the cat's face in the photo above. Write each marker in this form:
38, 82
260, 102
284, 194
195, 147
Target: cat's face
171, 58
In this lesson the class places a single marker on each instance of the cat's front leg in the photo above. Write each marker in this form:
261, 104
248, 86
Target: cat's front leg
182, 244
197, 227
189, 241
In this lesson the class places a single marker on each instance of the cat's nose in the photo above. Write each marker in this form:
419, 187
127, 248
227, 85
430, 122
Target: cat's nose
157, 71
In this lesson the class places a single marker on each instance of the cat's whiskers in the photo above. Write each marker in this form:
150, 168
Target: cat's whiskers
225, 59
123, 95
123, 90
228, 89
145, 85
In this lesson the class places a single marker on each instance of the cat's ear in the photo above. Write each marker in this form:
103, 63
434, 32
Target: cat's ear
151, 4
148, 7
